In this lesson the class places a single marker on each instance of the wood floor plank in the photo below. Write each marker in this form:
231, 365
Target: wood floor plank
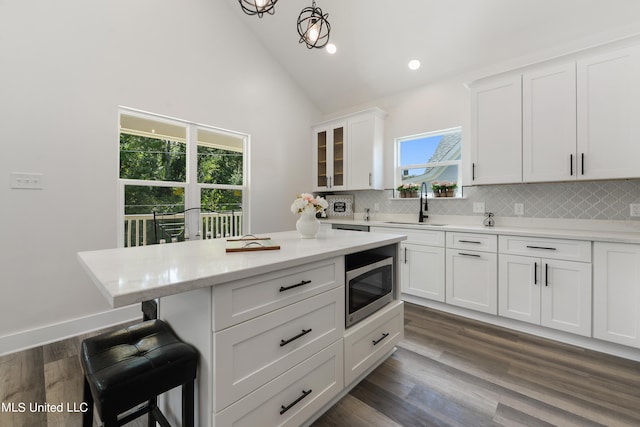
22, 380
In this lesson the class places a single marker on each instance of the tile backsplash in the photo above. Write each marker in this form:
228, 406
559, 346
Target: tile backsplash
595, 200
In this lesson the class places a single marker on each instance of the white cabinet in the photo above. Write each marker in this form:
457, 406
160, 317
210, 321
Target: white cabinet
365, 133
292, 398
421, 262
549, 123
348, 152
496, 131
616, 293
575, 120
329, 156
252, 353
539, 285
472, 271
608, 109
366, 343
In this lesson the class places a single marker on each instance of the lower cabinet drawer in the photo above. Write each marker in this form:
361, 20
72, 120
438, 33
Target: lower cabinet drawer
249, 355
246, 299
293, 397
371, 339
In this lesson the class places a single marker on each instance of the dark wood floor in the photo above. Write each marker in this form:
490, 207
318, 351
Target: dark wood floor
449, 371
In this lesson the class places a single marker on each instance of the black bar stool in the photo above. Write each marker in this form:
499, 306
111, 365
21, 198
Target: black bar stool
134, 365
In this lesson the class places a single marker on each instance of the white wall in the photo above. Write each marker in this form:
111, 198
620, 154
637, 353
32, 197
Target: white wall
65, 67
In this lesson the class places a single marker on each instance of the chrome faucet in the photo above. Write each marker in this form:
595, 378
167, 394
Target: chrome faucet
422, 216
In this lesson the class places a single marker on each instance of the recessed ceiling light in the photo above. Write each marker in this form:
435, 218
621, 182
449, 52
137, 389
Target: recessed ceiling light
414, 64
331, 48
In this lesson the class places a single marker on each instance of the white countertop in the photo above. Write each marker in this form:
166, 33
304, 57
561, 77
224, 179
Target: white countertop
599, 231
131, 275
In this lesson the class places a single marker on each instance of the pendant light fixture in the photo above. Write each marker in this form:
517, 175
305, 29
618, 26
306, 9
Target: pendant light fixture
258, 7
313, 27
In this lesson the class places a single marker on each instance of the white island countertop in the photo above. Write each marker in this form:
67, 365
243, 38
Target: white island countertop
131, 275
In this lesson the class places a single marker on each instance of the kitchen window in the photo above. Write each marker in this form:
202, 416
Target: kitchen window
179, 180
429, 157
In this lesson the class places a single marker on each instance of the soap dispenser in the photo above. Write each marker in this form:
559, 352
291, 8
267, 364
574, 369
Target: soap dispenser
488, 219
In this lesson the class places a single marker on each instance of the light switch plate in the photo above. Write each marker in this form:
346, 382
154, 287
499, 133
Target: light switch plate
26, 181
518, 209
634, 209
478, 207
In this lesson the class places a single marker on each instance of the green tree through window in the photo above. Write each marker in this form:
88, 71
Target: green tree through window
157, 174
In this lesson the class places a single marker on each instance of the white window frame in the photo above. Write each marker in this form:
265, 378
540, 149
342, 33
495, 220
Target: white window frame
398, 168
192, 188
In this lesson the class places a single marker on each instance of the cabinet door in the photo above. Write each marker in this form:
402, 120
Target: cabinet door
519, 288
608, 111
549, 124
365, 152
329, 157
422, 271
496, 131
566, 296
472, 280
616, 293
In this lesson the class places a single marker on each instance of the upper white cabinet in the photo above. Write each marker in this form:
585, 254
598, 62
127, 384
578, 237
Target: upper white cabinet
608, 110
496, 131
572, 120
549, 123
348, 152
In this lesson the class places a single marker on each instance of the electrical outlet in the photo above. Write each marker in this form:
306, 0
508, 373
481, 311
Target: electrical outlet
634, 209
29, 181
376, 207
518, 209
478, 207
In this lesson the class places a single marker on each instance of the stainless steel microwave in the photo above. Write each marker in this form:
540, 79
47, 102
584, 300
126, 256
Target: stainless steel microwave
369, 285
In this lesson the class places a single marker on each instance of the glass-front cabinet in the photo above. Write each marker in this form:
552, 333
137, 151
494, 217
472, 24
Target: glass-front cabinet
348, 152
330, 157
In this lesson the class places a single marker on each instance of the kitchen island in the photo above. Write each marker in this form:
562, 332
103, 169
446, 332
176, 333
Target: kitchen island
269, 325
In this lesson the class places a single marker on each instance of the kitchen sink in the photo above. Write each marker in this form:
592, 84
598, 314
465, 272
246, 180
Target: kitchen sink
415, 223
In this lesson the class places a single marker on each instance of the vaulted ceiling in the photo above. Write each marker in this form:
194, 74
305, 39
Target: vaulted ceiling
376, 39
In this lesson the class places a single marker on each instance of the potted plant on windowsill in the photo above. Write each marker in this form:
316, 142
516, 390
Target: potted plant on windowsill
408, 190
444, 188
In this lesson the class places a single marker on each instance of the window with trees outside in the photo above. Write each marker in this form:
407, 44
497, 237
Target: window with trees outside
179, 180
433, 158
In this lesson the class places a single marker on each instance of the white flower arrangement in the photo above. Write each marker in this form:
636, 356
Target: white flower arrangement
307, 202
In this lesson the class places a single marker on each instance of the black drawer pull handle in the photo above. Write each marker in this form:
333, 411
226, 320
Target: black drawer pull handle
546, 274
384, 335
295, 402
571, 164
535, 273
286, 288
301, 334
463, 254
542, 247
469, 241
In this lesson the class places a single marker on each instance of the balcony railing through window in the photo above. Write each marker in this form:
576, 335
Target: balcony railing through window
140, 230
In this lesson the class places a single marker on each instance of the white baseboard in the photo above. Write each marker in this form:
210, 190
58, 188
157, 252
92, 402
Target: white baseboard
60, 331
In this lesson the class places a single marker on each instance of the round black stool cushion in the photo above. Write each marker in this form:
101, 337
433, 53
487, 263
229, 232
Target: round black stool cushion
132, 365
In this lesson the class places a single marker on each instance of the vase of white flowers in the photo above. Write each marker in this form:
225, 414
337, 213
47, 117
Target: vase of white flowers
308, 206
